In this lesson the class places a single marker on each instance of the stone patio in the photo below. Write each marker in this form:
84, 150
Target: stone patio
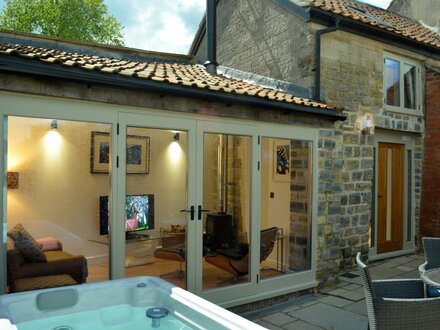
341, 306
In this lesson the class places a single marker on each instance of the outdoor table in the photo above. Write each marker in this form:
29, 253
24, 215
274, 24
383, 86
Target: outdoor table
432, 277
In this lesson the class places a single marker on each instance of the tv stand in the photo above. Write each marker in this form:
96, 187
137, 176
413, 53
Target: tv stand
139, 248
135, 235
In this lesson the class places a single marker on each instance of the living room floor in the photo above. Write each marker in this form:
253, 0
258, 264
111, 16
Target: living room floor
213, 276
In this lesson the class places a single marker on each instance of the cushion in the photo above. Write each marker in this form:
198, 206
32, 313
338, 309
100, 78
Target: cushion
433, 291
50, 244
10, 244
26, 244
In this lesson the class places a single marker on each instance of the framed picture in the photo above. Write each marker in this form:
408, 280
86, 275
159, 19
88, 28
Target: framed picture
138, 153
281, 159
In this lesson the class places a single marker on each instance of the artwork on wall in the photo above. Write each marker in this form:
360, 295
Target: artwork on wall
138, 153
281, 160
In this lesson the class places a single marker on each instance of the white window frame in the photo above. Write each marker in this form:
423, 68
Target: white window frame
401, 109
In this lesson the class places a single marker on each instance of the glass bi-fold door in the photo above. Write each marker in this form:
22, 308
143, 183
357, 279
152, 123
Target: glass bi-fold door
185, 187
156, 198
226, 172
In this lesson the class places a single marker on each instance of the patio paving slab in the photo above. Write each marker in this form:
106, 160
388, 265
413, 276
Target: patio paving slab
337, 292
334, 301
340, 306
300, 325
330, 317
359, 307
352, 287
384, 272
279, 319
354, 295
268, 325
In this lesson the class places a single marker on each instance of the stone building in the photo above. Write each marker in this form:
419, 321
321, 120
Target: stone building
428, 14
425, 14
264, 188
378, 66
146, 164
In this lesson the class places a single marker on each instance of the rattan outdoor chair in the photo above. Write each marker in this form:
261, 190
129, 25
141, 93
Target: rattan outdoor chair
398, 303
431, 247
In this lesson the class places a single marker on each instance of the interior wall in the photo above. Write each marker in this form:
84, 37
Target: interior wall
167, 178
58, 195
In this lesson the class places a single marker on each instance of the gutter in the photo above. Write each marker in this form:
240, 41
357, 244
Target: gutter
16, 65
319, 33
375, 33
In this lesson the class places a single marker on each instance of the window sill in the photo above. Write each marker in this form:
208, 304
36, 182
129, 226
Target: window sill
405, 111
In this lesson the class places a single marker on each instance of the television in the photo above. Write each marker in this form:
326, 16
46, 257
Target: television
139, 213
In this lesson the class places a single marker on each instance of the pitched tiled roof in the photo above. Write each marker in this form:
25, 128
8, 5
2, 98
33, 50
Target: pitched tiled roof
187, 75
381, 18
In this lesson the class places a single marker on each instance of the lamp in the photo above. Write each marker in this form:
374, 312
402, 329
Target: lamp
176, 136
12, 180
365, 123
54, 124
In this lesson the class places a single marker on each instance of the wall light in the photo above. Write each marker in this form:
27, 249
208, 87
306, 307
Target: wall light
54, 124
365, 123
12, 179
176, 136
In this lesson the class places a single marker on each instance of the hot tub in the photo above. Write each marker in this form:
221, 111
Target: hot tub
117, 305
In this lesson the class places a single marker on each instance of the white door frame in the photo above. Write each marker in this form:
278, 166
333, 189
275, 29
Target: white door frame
155, 122
408, 140
233, 291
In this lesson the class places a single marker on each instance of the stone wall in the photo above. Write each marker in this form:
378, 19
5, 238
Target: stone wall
261, 37
264, 38
352, 77
426, 11
300, 205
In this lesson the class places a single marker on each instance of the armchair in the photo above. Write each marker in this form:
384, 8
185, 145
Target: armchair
236, 261
398, 303
173, 248
58, 263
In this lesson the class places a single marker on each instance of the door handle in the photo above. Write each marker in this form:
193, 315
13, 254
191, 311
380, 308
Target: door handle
191, 211
199, 212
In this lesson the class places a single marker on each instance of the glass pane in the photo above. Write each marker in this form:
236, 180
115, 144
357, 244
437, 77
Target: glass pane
409, 79
286, 182
55, 194
409, 197
226, 194
392, 82
156, 192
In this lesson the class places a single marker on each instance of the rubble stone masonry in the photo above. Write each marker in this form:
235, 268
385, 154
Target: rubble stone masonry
264, 38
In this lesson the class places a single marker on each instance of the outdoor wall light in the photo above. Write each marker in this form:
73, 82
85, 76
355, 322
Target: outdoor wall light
365, 123
54, 124
176, 136
12, 180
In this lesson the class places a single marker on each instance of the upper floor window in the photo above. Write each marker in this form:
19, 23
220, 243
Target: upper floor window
402, 84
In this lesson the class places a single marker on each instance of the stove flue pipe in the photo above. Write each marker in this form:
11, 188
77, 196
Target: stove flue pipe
211, 36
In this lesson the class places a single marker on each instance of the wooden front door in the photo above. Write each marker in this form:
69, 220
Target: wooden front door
390, 197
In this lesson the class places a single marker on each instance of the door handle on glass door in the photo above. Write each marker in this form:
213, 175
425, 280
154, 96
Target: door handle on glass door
191, 211
199, 212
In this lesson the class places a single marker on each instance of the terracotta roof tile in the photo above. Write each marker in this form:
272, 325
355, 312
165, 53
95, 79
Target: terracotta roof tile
190, 75
381, 18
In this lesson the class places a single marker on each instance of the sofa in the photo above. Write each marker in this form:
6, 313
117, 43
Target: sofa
57, 263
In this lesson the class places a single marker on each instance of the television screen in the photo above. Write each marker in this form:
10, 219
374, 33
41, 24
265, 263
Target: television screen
139, 213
